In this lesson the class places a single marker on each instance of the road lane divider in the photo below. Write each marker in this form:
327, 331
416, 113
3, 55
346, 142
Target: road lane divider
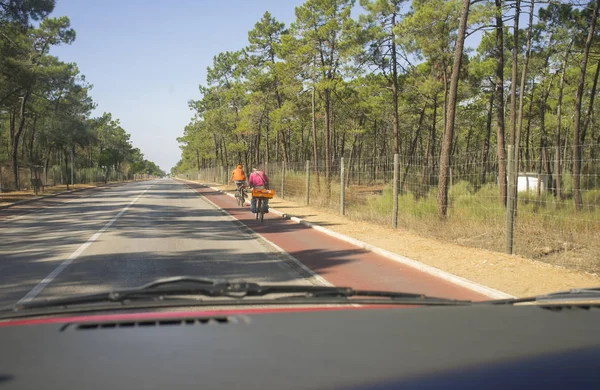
61, 267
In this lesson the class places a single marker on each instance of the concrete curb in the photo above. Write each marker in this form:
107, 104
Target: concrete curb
459, 281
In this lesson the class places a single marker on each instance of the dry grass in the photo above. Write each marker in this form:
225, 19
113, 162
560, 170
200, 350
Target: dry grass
7, 198
544, 230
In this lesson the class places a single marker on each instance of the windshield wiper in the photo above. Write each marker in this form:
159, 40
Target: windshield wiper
189, 287
573, 295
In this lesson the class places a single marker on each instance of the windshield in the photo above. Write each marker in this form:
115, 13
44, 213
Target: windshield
435, 148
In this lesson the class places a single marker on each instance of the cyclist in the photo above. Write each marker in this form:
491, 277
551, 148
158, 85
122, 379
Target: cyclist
258, 180
238, 176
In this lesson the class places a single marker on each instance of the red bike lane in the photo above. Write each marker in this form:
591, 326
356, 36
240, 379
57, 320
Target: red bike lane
340, 263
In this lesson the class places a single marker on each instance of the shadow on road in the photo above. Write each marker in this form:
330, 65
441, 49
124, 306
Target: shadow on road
31, 248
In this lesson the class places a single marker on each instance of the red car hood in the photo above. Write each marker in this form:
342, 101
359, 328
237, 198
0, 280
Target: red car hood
181, 314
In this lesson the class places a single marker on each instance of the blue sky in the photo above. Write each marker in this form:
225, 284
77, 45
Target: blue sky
146, 58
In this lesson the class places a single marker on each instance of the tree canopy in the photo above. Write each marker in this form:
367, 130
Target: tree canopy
366, 86
45, 103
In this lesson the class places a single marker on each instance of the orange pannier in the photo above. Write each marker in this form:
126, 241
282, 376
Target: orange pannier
268, 194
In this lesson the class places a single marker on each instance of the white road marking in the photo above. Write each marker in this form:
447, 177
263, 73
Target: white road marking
311, 276
41, 285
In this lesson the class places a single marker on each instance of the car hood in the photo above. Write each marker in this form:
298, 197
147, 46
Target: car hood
193, 313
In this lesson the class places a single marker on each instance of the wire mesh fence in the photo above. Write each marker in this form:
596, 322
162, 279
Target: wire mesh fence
547, 224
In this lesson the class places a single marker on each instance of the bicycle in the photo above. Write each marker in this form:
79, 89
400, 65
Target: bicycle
259, 209
260, 196
240, 194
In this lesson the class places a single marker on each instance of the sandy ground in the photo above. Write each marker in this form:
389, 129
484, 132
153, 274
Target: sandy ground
8, 198
514, 275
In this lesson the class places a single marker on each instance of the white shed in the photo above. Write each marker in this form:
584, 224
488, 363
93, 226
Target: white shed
528, 182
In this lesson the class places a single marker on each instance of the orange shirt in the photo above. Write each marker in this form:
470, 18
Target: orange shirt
238, 174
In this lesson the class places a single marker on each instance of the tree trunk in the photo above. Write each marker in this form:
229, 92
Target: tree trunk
566, 152
349, 169
284, 145
445, 102
333, 140
46, 164
434, 153
512, 158
513, 81
267, 143
590, 109
276, 145
486, 141
301, 156
430, 155
522, 94
499, 53
543, 160
216, 148
258, 137
528, 131
284, 149
327, 134
442, 195
11, 127
342, 144
32, 171
373, 165
557, 165
577, 147
32, 139
411, 153
395, 89
314, 137
66, 159
15, 141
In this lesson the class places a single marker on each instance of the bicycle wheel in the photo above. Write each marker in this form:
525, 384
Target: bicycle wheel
258, 207
239, 198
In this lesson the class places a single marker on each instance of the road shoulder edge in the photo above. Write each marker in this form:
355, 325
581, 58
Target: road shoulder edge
42, 197
433, 271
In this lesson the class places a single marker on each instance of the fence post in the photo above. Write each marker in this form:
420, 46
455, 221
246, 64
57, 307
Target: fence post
395, 192
558, 173
283, 180
342, 188
510, 202
307, 182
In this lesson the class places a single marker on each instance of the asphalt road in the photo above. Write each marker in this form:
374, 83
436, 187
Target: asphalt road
128, 235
